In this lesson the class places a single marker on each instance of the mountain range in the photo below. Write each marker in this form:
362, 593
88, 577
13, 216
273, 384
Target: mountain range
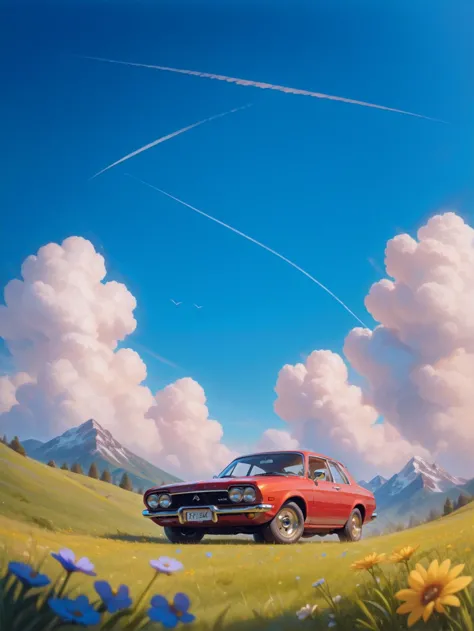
89, 443
415, 490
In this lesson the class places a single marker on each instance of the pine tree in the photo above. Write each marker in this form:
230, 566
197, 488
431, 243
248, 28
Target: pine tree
106, 477
462, 501
448, 507
125, 483
76, 468
93, 471
51, 463
17, 446
433, 514
4, 439
64, 466
140, 491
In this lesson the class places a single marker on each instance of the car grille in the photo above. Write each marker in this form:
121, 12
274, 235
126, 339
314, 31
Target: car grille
214, 498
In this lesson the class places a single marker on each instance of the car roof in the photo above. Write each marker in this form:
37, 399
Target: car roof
304, 452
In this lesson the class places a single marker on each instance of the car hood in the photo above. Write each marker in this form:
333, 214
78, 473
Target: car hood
216, 484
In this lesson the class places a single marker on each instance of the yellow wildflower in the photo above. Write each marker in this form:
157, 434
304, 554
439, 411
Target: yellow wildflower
431, 590
368, 562
403, 554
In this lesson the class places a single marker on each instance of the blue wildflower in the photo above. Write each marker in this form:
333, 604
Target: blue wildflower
323, 554
27, 575
209, 555
169, 614
79, 610
320, 582
344, 553
113, 600
67, 558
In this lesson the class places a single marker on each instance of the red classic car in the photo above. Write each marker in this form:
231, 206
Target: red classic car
278, 497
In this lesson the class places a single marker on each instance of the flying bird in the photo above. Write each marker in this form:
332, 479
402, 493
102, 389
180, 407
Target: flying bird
165, 138
252, 240
176, 304
264, 86
197, 306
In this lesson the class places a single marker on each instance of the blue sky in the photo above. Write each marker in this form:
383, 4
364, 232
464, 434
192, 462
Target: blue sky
324, 183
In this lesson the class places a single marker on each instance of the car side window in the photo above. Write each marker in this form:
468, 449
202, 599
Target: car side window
318, 469
338, 475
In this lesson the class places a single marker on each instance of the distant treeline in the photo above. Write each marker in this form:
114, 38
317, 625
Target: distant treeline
125, 482
448, 508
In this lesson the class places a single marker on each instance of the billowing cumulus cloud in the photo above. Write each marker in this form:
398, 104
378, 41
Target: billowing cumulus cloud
191, 437
275, 439
62, 324
417, 364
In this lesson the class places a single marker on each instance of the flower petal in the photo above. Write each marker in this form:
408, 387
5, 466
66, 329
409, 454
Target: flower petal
456, 571
405, 608
457, 585
187, 617
450, 600
67, 554
416, 581
415, 616
159, 601
428, 611
421, 571
181, 602
103, 589
406, 594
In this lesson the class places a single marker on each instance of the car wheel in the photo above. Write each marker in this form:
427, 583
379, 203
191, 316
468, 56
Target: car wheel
287, 526
183, 535
258, 537
352, 531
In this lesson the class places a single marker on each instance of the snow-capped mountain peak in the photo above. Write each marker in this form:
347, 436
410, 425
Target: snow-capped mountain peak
374, 484
416, 475
90, 442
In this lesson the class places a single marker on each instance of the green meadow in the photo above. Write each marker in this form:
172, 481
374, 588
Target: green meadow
259, 586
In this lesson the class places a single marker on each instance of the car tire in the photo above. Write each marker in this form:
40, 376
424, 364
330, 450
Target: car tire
258, 537
183, 535
287, 526
352, 531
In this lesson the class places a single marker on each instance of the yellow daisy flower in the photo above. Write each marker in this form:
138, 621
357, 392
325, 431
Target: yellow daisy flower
431, 590
403, 554
368, 562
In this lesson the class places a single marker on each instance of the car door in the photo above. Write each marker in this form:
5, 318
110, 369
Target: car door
324, 509
345, 492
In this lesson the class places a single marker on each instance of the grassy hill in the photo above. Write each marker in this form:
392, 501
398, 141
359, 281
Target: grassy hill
33, 493
272, 580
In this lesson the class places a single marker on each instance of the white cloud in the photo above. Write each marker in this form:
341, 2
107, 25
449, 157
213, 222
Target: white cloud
418, 363
275, 439
62, 324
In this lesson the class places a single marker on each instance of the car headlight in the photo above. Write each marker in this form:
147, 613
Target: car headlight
165, 500
236, 494
250, 494
153, 501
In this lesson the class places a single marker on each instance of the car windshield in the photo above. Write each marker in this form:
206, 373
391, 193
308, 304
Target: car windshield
278, 463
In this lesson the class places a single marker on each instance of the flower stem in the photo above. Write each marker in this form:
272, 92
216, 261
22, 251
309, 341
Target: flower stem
136, 609
63, 586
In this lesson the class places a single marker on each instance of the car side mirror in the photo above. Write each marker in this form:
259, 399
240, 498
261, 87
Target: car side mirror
319, 476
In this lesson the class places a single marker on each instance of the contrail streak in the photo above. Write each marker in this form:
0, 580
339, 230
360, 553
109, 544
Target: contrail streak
165, 138
252, 240
159, 358
265, 86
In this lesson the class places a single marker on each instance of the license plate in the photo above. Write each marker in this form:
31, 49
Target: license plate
198, 515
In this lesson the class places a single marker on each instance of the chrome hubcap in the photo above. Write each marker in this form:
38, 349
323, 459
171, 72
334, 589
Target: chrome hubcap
287, 522
356, 527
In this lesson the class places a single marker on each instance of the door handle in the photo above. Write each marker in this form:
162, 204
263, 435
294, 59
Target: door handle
337, 488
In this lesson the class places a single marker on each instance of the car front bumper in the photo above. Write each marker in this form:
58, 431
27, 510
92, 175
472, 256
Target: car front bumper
216, 512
